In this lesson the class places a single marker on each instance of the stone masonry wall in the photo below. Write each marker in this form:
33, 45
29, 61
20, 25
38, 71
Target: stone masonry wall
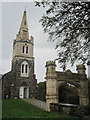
18, 80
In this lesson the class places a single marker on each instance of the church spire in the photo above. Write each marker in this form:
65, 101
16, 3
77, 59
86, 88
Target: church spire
24, 21
23, 31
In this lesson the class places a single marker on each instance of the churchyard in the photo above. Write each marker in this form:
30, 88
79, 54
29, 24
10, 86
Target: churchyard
16, 108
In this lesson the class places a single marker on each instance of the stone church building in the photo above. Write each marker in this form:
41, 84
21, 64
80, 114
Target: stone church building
21, 81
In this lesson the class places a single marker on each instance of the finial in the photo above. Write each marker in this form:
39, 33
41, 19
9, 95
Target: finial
25, 8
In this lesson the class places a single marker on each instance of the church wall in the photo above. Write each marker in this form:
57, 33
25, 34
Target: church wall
6, 84
19, 80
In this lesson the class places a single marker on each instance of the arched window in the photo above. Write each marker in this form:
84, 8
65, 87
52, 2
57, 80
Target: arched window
24, 69
25, 49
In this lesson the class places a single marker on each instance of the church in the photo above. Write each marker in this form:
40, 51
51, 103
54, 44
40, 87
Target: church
21, 81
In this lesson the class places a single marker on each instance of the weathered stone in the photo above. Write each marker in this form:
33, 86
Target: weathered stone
55, 79
77, 110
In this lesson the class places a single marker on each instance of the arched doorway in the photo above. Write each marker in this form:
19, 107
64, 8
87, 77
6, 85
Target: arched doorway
68, 93
24, 91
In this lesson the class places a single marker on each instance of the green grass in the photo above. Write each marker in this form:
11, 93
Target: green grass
16, 108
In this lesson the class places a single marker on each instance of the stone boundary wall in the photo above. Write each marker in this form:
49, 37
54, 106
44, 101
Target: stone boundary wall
70, 109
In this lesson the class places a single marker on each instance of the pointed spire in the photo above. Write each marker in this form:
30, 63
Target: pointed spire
24, 21
23, 31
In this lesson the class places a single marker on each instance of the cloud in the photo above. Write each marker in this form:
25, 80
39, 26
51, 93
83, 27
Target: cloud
5, 66
42, 55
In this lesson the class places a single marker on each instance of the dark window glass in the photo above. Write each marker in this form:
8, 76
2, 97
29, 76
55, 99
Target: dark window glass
23, 68
23, 49
26, 68
27, 50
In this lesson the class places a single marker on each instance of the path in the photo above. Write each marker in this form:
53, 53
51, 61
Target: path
37, 103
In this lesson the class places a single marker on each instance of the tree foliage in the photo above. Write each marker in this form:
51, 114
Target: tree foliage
68, 23
68, 94
41, 91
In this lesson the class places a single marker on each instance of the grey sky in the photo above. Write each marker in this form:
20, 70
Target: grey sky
11, 20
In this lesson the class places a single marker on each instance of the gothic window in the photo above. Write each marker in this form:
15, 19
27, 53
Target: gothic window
23, 49
26, 49
24, 69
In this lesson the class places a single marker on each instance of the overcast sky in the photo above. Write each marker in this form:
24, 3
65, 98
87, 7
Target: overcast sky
11, 19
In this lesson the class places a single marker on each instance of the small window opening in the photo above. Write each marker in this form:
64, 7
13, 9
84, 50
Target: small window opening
26, 68
27, 50
23, 68
23, 49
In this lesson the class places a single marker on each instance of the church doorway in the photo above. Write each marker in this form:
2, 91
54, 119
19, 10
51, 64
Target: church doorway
24, 92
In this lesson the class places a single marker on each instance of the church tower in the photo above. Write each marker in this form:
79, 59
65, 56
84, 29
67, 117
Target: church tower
23, 81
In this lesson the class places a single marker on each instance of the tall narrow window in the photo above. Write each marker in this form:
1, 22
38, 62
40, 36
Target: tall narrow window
23, 49
22, 68
26, 69
27, 50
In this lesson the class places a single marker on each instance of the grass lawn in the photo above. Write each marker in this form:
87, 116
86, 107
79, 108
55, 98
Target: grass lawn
16, 108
